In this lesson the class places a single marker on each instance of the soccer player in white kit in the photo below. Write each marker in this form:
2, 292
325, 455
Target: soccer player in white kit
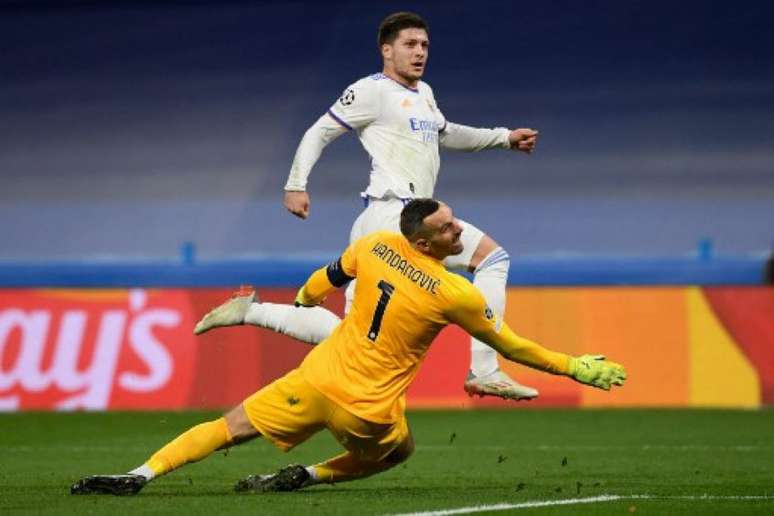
398, 121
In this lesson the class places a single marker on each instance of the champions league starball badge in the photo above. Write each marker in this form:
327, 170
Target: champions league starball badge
348, 97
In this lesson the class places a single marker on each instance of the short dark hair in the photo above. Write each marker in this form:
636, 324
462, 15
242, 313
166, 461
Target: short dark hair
413, 216
396, 22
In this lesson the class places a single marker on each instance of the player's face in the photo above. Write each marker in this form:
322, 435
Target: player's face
444, 233
406, 57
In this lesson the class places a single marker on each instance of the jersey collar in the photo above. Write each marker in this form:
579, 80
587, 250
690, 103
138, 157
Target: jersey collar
414, 90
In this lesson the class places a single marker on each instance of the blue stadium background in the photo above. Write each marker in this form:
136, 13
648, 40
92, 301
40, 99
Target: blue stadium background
129, 128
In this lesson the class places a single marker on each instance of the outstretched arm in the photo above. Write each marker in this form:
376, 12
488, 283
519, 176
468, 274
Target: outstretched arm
316, 138
473, 139
524, 351
591, 370
474, 317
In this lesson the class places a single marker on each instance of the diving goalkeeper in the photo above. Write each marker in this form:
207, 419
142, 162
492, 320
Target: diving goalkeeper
354, 382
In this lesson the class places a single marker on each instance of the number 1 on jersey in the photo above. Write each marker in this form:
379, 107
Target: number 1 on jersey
387, 291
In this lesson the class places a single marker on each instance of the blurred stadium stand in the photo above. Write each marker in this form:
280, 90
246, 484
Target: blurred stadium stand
128, 128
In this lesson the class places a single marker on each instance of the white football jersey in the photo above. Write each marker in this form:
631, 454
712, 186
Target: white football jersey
399, 127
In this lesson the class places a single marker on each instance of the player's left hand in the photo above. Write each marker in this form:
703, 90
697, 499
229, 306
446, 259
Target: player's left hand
523, 140
594, 370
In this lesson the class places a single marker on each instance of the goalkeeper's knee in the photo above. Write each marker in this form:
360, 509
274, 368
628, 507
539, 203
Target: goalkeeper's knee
401, 454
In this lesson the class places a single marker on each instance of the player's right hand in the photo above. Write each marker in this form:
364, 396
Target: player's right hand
594, 370
297, 203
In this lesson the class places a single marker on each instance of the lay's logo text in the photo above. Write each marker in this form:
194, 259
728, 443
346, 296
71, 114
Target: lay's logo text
95, 349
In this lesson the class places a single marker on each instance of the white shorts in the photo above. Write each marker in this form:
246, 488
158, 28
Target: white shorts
384, 214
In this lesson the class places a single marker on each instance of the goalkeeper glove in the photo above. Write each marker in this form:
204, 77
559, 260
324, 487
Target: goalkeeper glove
594, 370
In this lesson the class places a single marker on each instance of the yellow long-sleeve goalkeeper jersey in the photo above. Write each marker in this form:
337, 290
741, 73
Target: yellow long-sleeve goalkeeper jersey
403, 298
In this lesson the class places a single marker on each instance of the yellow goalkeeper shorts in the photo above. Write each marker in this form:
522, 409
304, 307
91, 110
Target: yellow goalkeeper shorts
289, 411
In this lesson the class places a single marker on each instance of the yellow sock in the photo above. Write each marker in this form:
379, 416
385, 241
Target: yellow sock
190, 446
346, 467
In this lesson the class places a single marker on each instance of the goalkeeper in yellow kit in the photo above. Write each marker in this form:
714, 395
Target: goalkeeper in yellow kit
354, 382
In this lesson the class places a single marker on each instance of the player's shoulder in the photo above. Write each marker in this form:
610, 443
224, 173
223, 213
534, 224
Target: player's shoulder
364, 93
457, 290
376, 77
384, 236
456, 284
423, 86
425, 89
388, 237
366, 88
371, 82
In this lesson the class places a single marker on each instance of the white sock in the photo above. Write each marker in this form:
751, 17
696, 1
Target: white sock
491, 278
312, 475
310, 325
349, 296
144, 471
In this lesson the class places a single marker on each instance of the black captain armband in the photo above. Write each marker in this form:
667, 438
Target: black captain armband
336, 274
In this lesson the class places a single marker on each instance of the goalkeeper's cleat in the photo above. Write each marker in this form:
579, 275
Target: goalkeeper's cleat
230, 313
119, 485
498, 384
289, 478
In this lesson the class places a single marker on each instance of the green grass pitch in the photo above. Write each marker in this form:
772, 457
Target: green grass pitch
656, 462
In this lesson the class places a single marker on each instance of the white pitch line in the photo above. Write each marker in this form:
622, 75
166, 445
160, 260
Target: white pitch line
438, 448
576, 501
642, 447
731, 498
508, 506
76, 449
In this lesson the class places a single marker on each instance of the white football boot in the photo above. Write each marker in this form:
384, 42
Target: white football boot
230, 313
498, 384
